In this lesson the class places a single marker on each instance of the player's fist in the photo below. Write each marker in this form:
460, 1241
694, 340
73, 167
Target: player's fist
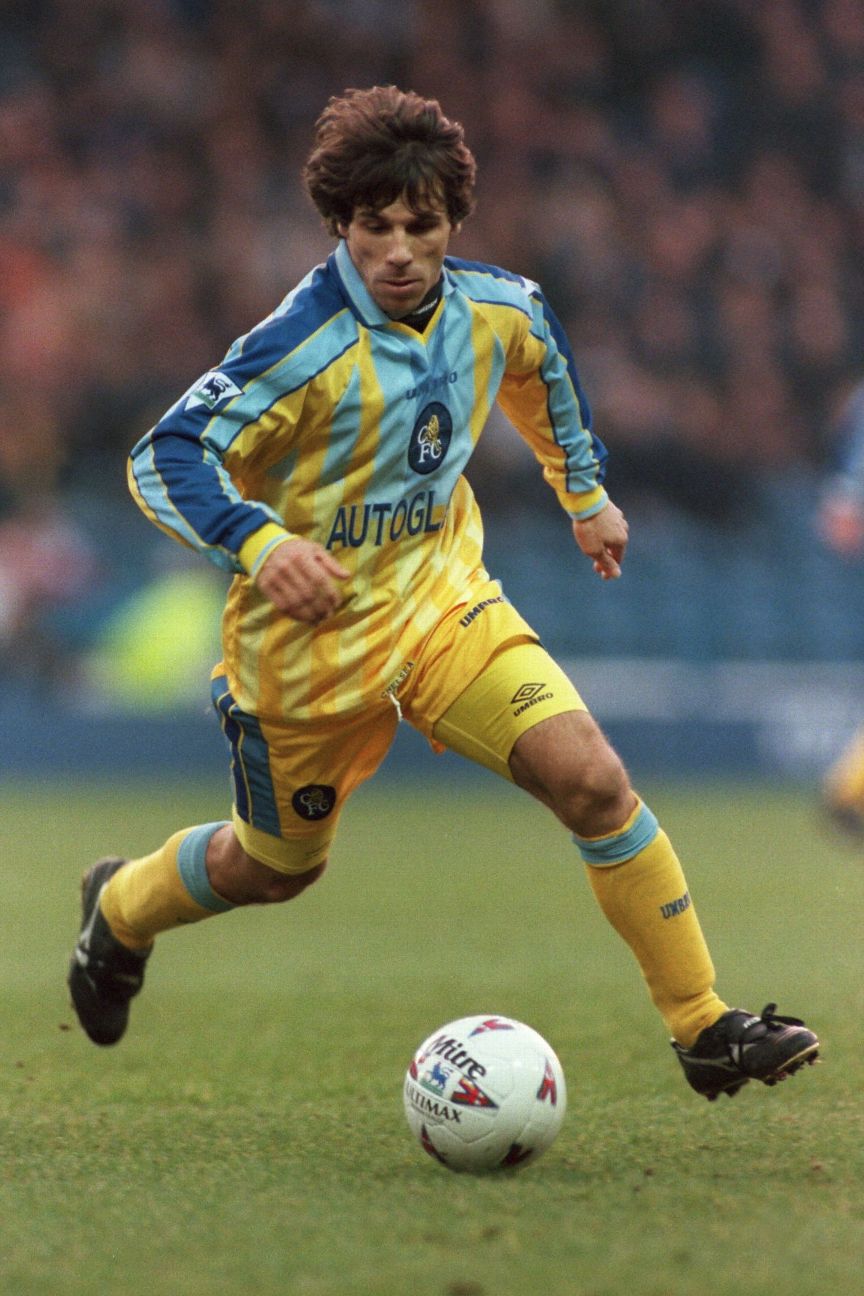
300, 578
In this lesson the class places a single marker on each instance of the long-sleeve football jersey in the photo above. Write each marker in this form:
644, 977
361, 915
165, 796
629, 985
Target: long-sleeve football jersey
333, 422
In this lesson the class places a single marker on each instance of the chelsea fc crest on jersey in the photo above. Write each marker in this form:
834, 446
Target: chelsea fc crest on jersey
430, 438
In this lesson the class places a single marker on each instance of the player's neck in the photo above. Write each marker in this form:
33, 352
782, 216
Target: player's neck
421, 315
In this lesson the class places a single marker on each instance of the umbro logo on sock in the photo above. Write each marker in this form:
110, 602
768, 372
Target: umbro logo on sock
676, 907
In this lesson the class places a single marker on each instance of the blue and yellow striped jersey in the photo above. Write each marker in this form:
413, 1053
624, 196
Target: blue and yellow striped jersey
333, 422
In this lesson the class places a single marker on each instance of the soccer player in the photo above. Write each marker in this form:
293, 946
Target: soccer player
322, 463
841, 522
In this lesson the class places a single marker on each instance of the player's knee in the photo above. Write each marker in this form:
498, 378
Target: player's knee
243, 880
568, 764
597, 798
274, 888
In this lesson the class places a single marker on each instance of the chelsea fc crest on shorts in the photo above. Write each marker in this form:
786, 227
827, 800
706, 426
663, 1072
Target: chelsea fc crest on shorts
430, 439
315, 801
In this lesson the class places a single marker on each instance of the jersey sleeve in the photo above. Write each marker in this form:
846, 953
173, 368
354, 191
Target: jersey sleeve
542, 396
178, 472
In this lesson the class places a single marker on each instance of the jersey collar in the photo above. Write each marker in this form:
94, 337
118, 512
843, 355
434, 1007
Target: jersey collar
359, 298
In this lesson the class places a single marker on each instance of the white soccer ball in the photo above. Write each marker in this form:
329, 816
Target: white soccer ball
484, 1092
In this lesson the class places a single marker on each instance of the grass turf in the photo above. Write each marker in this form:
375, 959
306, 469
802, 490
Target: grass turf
247, 1136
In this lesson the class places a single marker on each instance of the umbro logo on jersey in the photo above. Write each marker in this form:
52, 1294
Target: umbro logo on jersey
213, 388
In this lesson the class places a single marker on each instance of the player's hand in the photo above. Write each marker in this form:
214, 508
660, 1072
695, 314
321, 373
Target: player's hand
299, 579
603, 538
841, 525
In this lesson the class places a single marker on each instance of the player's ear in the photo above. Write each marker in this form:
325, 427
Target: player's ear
342, 229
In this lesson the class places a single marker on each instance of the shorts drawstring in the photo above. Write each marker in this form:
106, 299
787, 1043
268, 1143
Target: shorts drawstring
391, 693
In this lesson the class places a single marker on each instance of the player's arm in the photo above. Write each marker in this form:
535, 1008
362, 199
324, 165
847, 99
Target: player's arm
183, 486
184, 472
542, 395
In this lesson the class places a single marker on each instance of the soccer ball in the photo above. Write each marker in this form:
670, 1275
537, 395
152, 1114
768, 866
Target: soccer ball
484, 1092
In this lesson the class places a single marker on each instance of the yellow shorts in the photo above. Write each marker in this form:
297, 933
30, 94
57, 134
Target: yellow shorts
290, 784
521, 686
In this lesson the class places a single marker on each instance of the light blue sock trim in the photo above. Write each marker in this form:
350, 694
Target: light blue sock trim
621, 846
191, 865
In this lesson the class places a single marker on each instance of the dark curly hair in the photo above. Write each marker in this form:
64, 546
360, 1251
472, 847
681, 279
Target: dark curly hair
375, 146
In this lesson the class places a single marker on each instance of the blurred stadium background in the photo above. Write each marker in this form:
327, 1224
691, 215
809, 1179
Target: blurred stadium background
686, 180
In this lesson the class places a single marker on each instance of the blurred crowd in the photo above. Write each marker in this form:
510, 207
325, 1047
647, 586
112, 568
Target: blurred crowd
684, 177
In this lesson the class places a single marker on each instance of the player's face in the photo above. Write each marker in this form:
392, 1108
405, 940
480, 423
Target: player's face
399, 252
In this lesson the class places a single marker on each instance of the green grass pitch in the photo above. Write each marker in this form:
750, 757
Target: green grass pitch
248, 1137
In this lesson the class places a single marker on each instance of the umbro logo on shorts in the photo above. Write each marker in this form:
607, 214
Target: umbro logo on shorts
528, 695
525, 692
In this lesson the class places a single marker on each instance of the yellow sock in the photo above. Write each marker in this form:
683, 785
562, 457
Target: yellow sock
646, 900
164, 890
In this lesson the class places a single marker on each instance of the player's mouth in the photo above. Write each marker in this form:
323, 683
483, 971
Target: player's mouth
402, 287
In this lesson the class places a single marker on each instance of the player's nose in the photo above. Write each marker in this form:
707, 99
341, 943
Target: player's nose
399, 249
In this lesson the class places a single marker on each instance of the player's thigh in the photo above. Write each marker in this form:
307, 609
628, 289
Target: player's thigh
291, 781
520, 687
